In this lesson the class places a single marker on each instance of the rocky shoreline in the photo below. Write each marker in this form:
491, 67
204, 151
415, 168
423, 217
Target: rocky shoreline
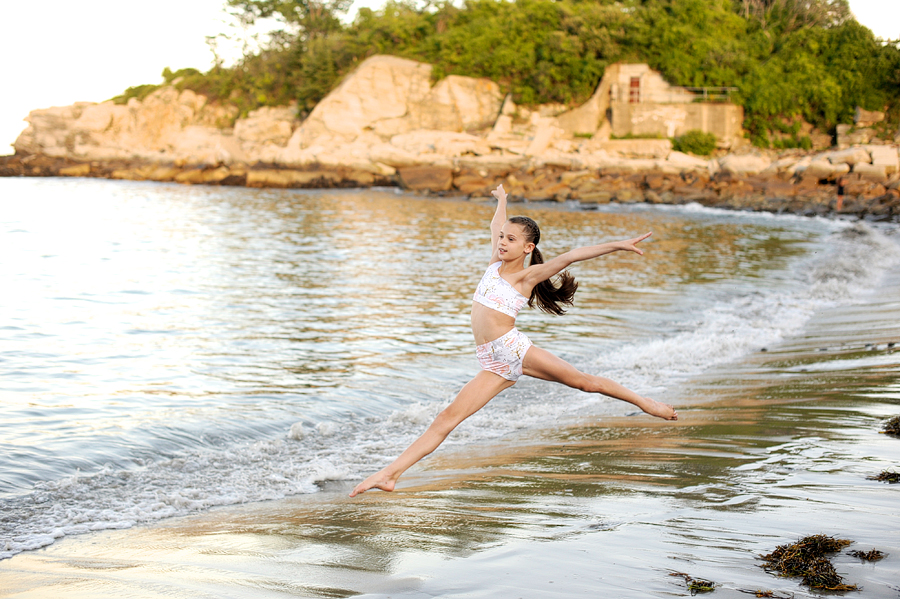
389, 124
862, 194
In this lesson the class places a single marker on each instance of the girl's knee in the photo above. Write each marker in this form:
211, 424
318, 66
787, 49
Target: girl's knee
447, 420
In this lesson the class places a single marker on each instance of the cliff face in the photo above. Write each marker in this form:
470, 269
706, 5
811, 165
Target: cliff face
385, 115
167, 125
368, 118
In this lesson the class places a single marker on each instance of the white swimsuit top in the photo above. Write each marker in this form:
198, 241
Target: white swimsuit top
497, 293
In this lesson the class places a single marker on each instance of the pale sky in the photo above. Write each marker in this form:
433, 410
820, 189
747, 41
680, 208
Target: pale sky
61, 52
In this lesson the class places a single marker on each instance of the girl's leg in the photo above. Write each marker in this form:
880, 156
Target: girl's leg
542, 364
471, 398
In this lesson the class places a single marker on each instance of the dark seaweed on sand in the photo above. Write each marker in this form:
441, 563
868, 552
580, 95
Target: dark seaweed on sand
808, 558
770, 594
887, 476
696, 585
869, 556
892, 426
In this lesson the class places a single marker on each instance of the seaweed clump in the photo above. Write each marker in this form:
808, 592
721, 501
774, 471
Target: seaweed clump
696, 585
892, 426
869, 556
808, 559
887, 476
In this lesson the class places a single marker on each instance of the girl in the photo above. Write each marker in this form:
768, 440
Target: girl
504, 353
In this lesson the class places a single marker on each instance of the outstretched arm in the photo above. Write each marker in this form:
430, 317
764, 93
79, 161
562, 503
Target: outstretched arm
541, 272
497, 221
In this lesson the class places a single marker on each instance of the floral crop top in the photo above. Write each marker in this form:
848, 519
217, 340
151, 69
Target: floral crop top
497, 293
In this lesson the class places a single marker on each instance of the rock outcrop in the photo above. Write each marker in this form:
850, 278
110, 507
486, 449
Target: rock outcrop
386, 124
167, 126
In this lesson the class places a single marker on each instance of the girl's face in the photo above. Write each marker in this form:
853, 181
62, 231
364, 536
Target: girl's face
512, 243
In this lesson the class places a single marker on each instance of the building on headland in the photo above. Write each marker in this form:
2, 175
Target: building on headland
633, 100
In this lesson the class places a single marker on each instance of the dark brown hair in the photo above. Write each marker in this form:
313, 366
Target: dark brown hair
550, 296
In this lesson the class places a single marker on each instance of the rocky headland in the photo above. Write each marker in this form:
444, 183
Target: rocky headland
389, 124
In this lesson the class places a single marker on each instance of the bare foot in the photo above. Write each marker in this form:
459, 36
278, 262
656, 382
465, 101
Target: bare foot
379, 480
659, 409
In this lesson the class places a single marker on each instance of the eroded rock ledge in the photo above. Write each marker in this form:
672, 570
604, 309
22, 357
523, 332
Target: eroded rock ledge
865, 192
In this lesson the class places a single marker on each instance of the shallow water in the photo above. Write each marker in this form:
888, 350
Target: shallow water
168, 349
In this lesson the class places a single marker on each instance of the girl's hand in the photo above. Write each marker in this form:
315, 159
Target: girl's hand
630, 245
499, 193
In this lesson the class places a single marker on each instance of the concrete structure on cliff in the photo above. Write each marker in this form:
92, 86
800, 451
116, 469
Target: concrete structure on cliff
643, 103
633, 100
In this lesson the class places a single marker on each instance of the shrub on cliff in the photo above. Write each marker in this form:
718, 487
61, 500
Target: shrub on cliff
695, 142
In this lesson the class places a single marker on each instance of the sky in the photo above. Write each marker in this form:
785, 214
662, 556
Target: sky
61, 52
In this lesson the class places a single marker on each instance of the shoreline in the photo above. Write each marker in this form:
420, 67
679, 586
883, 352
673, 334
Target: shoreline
540, 521
631, 181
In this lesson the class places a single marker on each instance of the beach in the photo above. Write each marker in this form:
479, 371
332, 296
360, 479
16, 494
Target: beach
248, 398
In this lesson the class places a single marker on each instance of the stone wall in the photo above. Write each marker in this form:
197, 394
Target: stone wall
672, 120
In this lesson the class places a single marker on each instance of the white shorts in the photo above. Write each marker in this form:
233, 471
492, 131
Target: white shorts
504, 356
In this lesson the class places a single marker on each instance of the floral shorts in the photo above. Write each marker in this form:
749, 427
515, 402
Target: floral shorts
504, 356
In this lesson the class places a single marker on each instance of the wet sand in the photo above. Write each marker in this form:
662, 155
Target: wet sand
615, 507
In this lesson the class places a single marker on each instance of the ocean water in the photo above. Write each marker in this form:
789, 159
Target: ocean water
167, 349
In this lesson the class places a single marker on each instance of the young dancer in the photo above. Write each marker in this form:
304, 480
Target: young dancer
503, 352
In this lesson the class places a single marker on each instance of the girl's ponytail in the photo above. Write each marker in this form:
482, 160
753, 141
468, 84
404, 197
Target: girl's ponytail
549, 296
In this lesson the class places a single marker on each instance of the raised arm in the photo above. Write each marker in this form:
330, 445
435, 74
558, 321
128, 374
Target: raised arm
541, 272
497, 221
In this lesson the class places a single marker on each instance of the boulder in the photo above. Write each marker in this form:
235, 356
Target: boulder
871, 172
391, 95
425, 178
849, 156
546, 131
867, 118
457, 104
841, 133
216, 175
554, 191
190, 176
629, 195
129, 174
637, 148
848, 136
747, 164
502, 127
78, 170
289, 178
595, 197
687, 162
885, 156
161, 173
473, 184
823, 169
571, 178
